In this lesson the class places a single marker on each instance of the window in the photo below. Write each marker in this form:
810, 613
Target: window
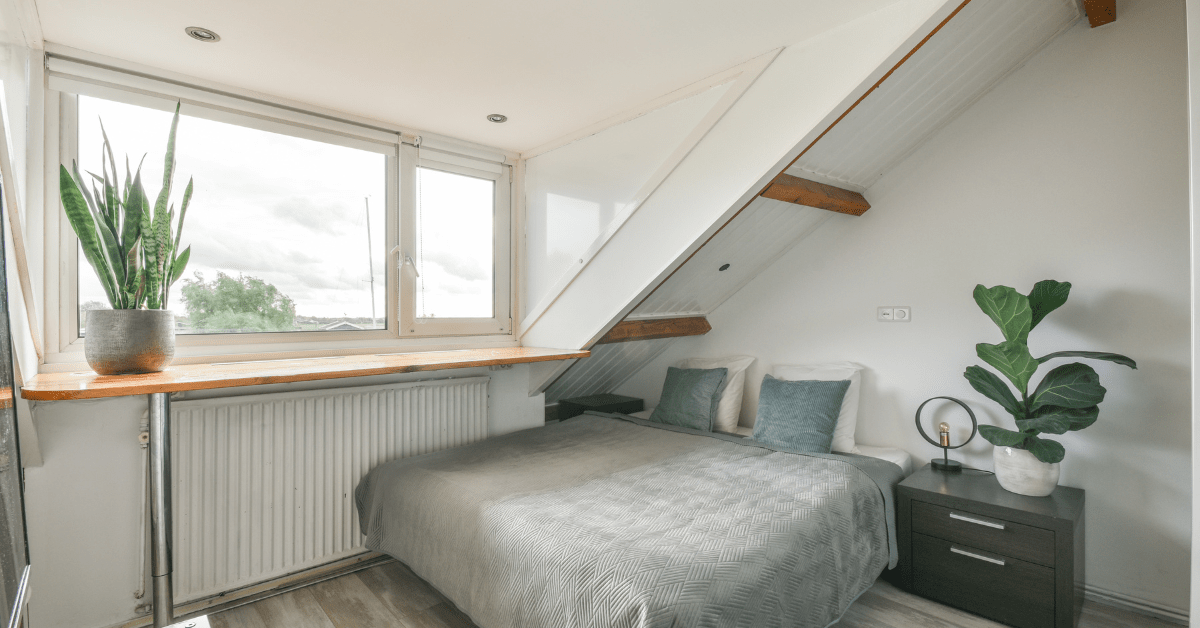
459, 233
305, 229
280, 226
455, 231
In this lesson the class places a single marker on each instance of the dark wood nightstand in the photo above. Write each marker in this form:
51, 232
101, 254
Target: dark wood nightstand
606, 402
968, 543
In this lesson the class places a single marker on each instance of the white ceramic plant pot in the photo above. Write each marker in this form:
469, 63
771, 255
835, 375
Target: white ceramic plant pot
1022, 473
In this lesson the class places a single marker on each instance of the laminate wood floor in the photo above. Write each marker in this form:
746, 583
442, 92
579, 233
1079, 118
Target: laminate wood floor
390, 595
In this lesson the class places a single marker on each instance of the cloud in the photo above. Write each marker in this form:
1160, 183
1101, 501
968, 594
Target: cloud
323, 217
458, 266
297, 258
221, 249
454, 288
318, 282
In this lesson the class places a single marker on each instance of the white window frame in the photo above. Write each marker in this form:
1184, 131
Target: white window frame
404, 330
501, 176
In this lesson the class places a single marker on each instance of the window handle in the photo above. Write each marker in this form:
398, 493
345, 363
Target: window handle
407, 261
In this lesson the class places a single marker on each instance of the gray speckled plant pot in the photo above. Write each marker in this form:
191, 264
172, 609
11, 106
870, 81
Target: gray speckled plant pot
129, 341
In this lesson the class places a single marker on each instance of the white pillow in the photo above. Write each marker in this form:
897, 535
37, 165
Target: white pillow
843, 434
730, 406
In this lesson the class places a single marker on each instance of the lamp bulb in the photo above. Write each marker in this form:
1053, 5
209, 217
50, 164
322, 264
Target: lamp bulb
944, 427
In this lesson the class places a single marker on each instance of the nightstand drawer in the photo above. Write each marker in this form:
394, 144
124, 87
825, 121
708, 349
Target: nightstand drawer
1006, 538
1010, 591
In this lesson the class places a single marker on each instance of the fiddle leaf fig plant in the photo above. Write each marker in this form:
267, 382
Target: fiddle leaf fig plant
1068, 397
132, 246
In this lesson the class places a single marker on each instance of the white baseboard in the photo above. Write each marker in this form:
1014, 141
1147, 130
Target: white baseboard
1136, 605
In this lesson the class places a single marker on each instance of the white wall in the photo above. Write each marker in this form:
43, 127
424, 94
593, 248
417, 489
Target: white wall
82, 505
1073, 168
786, 104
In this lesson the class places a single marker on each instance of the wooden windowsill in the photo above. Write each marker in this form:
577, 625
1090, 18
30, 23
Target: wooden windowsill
89, 385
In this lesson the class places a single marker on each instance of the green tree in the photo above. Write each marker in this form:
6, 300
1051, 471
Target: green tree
237, 303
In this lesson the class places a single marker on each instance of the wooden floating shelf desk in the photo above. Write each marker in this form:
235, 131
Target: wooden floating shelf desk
159, 386
67, 386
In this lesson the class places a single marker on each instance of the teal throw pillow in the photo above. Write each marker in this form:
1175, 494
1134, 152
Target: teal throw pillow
799, 415
690, 397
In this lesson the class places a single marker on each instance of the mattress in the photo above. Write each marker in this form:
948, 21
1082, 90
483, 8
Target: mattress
894, 455
605, 521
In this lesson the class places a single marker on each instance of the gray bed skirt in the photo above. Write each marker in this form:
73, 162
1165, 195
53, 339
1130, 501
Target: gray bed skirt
609, 521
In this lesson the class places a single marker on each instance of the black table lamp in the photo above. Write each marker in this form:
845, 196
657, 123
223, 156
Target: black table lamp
946, 465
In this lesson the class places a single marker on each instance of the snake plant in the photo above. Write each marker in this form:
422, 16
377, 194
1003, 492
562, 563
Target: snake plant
133, 247
1068, 397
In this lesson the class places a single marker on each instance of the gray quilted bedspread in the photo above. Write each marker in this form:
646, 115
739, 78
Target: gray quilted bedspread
605, 522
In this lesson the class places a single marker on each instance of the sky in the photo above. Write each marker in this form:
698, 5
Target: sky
454, 216
293, 212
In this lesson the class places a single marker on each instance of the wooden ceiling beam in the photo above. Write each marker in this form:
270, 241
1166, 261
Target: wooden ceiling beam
791, 189
654, 329
1100, 12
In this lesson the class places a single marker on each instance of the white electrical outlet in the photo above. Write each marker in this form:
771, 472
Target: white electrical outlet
893, 314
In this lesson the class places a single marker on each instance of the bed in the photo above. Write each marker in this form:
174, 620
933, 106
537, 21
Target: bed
612, 521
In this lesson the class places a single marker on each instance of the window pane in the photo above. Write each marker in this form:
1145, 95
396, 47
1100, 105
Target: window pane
287, 234
455, 241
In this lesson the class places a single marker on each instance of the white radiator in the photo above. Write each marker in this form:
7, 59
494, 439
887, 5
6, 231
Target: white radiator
264, 484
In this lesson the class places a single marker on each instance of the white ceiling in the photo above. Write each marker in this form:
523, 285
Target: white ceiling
984, 43
551, 66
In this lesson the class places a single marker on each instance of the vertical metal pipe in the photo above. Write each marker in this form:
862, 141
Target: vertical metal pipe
144, 510
160, 508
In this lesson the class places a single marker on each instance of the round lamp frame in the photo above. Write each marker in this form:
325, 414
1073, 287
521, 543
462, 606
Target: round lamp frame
946, 464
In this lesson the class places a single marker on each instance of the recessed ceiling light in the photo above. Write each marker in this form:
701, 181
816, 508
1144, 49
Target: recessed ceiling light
202, 34
497, 118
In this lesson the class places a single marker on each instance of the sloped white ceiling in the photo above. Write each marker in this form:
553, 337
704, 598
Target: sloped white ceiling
607, 367
984, 43
574, 193
552, 66
764, 231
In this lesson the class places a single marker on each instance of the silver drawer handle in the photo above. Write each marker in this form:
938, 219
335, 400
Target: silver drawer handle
995, 561
990, 524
